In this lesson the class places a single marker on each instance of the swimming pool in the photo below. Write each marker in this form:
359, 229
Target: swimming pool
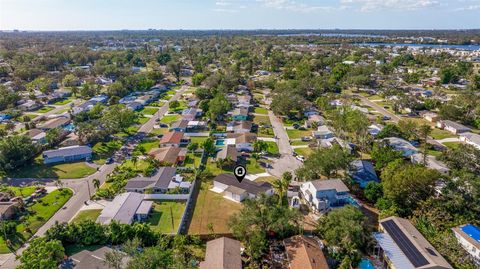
220, 142
69, 127
352, 201
365, 264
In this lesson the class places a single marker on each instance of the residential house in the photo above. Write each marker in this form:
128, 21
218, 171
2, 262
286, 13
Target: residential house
323, 132
195, 125
71, 139
453, 127
243, 141
179, 125
431, 116
469, 238
321, 195
67, 154
362, 172
164, 179
192, 111
134, 106
87, 106
173, 139
401, 145
59, 122
314, 120
30, 105
374, 129
236, 191
401, 245
169, 155
471, 139
125, 209
244, 101
304, 252
239, 127
240, 114
87, 259
431, 162
8, 210
228, 152
311, 111
37, 136
222, 253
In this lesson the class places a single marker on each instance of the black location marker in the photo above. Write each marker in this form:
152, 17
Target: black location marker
240, 172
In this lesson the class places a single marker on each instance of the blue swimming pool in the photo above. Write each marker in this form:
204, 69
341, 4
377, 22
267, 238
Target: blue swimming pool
352, 201
365, 264
220, 142
70, 127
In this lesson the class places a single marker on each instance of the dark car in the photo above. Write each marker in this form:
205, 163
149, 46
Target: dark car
109, 161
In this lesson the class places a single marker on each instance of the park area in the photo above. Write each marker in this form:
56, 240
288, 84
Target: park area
211, 212
35, 216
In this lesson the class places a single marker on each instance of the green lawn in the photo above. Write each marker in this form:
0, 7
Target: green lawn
104, 150
254, 167
303, 151
63, 102
44, 109
300, 143
261, 110
211, 208
63, 170
147, 145
435, 153
260, 120
440, 134
294, 134
89, 214
268, 179
39, 212
148, 110
166, 216
142, 120
182, 106
198, 139
170, 118
140, 166
452, 145
272, 148
192, 160
159, 131
20, 191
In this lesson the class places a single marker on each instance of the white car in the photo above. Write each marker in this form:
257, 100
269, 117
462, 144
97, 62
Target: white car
300, 158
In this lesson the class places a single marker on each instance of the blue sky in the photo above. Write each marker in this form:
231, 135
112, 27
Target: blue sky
238, 14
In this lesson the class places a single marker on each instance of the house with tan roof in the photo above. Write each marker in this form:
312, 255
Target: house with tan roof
173, 139
169, 155
304, 252
243, 141
222, 253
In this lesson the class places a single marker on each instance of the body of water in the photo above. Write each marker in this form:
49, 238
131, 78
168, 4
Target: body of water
416, 45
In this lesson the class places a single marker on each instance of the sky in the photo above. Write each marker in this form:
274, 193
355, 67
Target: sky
238, 14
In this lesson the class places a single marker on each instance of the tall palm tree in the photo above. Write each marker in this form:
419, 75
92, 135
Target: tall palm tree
96, 183
135, 161
280, 186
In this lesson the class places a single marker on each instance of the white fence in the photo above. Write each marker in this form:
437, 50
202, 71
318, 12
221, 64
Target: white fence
157, 196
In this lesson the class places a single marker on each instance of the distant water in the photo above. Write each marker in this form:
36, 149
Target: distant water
333, 35
416, 45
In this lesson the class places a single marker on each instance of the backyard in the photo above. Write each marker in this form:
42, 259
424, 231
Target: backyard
40, 212
148, 110
207, 211
145, 146
166, 216
89, 214
295, 134
167, 119
104, 150
61, 171
44, 109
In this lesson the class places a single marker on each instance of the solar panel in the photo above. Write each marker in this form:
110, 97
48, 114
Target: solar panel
407, 247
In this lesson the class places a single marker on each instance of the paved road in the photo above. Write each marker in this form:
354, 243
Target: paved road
286, 162
379, 108
83, 188
148, 126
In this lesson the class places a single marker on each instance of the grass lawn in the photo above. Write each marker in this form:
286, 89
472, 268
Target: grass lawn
163, 213
441, 134
272, 148
170, 118
294, 134
63, 170
140, 166
303, 151
149, 110
435, 153
198, 139
104, 150
212, 167
265, 132
260, 120
147, 145
269, 179
211, 208
63, 102
261, 110
44, 109
452, 145
300, 143
21, 191
89, 214
142, 120
182, 106
39, 212
192, 159
159, 131
254, 167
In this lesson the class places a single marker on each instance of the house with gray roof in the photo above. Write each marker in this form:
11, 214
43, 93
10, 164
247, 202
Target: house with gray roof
363, 172
471, 139
453, 127
321, 195
222, 253
164, 179
401, 145
126, 208
67, 154
236, 191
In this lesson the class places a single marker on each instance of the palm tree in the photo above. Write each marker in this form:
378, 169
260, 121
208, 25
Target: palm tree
96, 183
135, 161
423, 132
280, 186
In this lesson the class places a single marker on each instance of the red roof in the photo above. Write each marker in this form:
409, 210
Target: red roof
172, 138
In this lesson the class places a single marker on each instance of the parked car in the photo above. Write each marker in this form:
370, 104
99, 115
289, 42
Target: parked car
109, 161
300, 158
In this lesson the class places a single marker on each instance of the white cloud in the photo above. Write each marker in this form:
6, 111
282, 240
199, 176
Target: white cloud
291, 5
372, 5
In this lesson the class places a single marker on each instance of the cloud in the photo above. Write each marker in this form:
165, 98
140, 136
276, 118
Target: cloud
291, 5
373, 5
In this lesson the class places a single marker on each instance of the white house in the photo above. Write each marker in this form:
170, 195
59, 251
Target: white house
430, 116
321, 195
469, 238
453, 127
236, 191
471, 139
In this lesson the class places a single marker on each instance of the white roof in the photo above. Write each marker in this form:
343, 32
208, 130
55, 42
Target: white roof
122, 208
392, 251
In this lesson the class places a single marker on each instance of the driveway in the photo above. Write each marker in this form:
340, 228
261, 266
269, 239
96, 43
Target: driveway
379, 108
287, 162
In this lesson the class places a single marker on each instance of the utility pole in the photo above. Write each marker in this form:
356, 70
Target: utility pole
89, 193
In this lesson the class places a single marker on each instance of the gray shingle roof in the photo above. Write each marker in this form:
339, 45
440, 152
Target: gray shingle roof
160, 179
68, 151
247, 185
